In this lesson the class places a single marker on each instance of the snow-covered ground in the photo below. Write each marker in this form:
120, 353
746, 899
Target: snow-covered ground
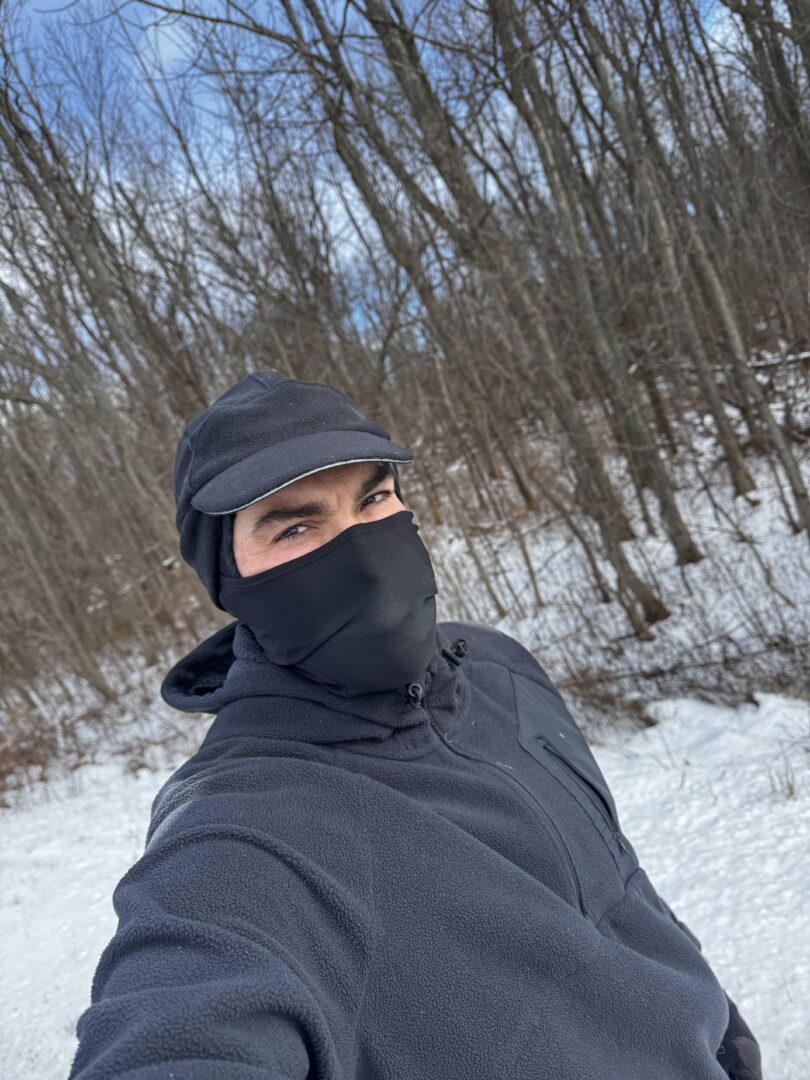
716, 801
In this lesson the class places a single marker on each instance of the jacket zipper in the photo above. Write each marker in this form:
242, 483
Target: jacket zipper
501, 771
597, 800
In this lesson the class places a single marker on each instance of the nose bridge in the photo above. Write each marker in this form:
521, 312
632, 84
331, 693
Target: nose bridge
345, 515
369, 567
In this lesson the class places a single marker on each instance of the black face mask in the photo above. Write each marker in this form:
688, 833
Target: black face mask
358, 614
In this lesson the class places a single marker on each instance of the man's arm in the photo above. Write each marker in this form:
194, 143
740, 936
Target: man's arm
181, 996
238, 955
237, 1027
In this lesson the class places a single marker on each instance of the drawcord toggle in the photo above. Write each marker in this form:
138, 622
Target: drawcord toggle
414, 692
457, 651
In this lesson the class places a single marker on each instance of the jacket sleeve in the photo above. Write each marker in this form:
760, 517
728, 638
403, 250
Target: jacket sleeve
205, 976
179, 996
739, 1052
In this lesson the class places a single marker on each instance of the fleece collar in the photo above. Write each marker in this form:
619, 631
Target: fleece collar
230, 675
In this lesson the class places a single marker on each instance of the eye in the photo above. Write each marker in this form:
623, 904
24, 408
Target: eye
292, 533
289, 533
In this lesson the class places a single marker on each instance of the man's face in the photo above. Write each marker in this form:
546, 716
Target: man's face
307, 513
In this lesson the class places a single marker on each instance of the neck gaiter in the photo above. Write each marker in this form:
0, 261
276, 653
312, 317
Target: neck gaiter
358, 614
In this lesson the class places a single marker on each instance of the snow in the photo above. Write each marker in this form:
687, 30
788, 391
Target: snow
715, 799
60, 861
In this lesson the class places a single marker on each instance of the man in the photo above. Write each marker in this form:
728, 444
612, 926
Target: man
393, 855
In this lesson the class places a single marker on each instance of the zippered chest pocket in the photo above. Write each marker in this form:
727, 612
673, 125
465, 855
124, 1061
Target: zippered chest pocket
548, 732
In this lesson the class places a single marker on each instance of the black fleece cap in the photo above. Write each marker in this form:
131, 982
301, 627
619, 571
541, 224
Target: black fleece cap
269, 430
261, 435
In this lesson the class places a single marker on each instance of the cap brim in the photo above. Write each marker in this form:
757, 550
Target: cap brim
277, 466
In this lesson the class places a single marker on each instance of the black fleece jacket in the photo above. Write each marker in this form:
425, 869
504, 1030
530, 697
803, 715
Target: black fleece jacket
386, 889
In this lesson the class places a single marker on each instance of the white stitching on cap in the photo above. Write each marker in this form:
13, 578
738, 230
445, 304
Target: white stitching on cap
331, 465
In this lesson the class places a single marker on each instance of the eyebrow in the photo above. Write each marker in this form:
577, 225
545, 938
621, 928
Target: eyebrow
316, 509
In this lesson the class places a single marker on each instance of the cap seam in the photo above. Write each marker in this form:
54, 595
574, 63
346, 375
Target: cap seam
254, 376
